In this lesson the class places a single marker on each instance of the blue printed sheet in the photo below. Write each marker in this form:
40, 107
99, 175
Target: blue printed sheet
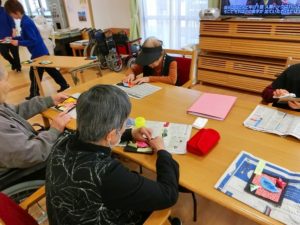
236, 177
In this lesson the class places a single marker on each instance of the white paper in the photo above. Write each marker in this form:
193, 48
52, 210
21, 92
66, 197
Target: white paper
177, 135
140, 91
199, 123
273, 121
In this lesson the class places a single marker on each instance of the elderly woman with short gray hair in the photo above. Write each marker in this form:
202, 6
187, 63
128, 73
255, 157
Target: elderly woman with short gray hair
86, 185
20, 145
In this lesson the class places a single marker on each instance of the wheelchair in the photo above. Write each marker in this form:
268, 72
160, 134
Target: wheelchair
18, 184
128, 49
102, 46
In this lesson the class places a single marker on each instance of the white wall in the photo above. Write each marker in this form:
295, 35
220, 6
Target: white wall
111, 13
72, 8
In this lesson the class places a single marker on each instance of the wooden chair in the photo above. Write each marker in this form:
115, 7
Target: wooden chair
157, 217
291, 61
186, 66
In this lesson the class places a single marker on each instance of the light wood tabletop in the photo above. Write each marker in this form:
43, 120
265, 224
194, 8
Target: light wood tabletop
68, 62
200, 174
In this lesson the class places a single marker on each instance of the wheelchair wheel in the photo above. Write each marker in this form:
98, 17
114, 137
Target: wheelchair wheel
20, 191
95, 52
102, 60
130, 62
118, 64
114, 62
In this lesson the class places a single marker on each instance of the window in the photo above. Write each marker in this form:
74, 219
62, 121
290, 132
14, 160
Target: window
36, 7
175, 22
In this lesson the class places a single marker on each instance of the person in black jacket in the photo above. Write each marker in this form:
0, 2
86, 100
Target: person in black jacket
287, 82
86, 185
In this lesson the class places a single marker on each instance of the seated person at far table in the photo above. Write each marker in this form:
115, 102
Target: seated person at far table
86, 185
152, 65
21, 146
287, 82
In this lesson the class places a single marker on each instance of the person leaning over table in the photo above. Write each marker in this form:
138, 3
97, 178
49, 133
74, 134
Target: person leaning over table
287, 82
31, 38
86, 185
154, 64
21, 146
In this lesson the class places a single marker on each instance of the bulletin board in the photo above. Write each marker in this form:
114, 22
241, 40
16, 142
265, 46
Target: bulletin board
78, 13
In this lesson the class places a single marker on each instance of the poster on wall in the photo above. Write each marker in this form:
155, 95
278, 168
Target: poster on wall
82, 16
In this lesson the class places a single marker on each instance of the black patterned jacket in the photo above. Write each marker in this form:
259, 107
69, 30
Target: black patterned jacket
85, 185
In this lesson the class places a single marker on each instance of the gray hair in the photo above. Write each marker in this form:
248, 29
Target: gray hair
3, 71
152, 42
100, 110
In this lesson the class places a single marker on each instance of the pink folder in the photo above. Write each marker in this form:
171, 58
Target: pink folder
212, 106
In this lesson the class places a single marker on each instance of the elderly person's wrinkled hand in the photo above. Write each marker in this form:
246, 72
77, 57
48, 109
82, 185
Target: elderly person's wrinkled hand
157, 144
59, 98
60, 121
142, 134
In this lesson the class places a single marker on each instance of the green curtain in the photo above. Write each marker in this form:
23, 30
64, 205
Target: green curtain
213, 3
135, 25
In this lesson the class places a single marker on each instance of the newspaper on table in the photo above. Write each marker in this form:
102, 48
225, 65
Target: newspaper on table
175, 135
270, 120
140, 91
236, 177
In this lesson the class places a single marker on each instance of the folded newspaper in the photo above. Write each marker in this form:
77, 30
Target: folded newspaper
270, 120
237, 177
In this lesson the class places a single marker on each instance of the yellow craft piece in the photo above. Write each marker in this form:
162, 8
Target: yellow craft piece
140, 122
260, 167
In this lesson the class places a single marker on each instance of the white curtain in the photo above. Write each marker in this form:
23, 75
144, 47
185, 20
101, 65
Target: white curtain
175, 22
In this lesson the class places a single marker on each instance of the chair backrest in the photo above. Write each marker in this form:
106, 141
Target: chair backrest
186, 64
11, 213
291, 61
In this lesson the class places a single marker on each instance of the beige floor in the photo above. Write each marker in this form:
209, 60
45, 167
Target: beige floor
208, 213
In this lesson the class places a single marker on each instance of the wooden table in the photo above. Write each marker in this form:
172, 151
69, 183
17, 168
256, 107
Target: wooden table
76, 46
68, 62
200, 174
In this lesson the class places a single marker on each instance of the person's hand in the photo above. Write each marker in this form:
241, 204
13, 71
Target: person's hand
141, 80
59, 98
142, 134
14, 32
294, 104
280, 92
157, 144
60, 121
129, 78
14, 42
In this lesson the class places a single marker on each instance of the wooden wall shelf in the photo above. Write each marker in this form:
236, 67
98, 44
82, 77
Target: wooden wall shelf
246, 51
